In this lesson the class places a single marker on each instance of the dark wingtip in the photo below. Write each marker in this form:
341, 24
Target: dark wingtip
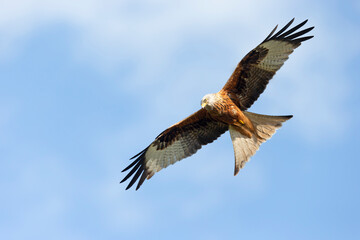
137, 167
128, 167
304, 38
271, 33
142, 179
281, 30
291, 34
138, 154
136, 176
291, 21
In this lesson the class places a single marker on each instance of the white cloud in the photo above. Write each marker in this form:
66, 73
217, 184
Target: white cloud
111, 32
146, 30
311, 85
150, 33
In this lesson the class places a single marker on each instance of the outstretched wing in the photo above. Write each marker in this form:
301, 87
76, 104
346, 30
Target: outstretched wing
175, 143
255, 70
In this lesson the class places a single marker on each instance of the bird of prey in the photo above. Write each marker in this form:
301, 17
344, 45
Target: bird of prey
225, 110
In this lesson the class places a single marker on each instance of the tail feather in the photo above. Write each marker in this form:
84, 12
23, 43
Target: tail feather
245, 147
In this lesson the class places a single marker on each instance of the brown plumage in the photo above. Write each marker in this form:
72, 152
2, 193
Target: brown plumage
225, 110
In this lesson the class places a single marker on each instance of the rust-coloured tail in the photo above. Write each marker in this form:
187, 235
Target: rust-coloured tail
245, 147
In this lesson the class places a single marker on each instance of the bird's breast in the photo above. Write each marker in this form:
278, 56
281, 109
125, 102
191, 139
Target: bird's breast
227, 112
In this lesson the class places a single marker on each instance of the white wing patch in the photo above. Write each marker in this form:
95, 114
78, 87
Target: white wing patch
278, 53
159, 159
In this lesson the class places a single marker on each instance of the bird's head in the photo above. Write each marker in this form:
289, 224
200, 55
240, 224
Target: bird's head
208, 101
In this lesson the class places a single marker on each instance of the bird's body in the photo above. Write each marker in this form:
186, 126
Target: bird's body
225, 110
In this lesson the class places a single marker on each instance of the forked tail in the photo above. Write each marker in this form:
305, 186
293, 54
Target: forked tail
245, 147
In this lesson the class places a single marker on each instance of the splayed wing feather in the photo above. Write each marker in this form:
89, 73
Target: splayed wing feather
255, 70
280, 31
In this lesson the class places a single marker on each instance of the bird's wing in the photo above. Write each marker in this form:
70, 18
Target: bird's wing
175, 143
255, 70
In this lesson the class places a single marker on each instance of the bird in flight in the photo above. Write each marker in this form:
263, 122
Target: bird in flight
225, 110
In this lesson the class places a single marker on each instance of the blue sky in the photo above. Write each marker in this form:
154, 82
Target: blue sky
85, 85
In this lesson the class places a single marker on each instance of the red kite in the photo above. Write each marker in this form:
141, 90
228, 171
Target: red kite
225, 110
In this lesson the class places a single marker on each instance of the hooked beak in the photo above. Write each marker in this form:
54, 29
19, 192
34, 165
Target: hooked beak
203, 104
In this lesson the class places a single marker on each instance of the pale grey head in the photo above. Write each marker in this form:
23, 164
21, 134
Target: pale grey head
208, 101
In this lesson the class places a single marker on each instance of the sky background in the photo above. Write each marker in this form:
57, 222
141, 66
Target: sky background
85, 85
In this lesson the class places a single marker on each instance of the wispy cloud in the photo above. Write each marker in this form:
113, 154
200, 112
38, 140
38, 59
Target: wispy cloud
174, 53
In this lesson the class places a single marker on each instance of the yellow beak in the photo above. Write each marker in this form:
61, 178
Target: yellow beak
203, 104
